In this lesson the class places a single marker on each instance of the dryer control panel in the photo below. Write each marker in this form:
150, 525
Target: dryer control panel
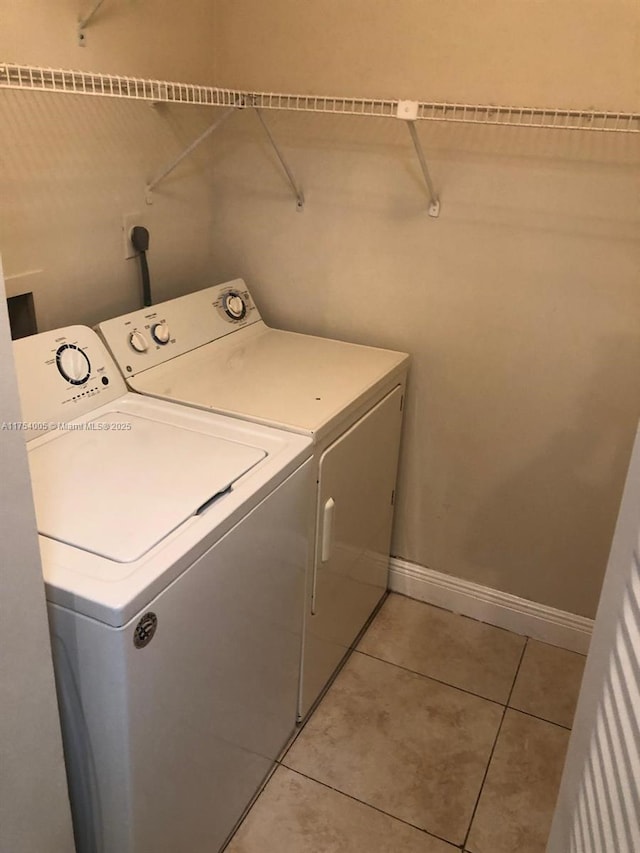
63, 374
150, 336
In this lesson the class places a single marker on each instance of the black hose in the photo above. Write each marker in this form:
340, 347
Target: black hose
140, 242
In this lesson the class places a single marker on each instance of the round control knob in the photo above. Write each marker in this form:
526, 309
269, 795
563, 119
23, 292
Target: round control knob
160, 333
138, 341
234, 305
73, 364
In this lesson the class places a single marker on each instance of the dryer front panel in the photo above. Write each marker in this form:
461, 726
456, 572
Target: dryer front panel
357, 475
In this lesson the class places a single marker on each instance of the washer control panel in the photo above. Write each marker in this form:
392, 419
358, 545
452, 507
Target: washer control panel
149, 337
63, 374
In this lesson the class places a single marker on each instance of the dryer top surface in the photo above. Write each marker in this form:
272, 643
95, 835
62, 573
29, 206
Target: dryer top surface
294, 381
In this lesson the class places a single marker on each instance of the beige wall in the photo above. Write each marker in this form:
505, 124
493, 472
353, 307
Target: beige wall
73, 166
519, 305
572, 53
34, 807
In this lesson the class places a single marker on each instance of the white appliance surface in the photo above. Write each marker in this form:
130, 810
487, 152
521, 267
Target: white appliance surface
143, 463
131, 494
283, 379
176, 620
167, 743
247, 369
215, 353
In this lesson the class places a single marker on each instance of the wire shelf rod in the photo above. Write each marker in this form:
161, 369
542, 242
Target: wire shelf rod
434, 203
83, 21
290, 177
167, 171
109, 85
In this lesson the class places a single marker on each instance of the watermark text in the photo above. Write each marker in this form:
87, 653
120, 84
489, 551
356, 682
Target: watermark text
52, 426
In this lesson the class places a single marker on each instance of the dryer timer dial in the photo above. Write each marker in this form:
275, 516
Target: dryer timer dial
160, 333
234, 305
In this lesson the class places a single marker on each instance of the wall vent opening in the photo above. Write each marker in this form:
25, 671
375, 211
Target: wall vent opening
22, 315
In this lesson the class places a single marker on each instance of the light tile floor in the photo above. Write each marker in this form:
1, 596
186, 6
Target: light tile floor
439, 734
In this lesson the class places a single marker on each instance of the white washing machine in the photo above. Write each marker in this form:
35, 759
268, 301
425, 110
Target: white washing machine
174, 546
211, 350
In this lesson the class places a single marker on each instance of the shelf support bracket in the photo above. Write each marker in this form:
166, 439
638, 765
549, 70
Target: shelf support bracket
83, 21
294, 186
206, 133
408, 112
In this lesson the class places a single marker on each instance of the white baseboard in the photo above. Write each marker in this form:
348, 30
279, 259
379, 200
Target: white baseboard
501, 609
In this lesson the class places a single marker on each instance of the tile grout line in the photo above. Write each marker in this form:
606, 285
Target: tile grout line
307, 720
476, 619
309, 717
466, 689
493, 748
370, 806
299, 729
540, 719
280, 761
433, 678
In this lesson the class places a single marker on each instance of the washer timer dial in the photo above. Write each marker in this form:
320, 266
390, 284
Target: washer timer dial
234, 305
73, 364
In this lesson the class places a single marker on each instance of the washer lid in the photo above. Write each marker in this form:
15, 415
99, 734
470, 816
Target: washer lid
119, 484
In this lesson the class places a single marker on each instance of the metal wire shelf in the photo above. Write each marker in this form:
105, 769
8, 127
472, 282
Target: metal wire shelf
559, 119
34, 78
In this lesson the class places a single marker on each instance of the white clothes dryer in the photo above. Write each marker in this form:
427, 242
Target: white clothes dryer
211, 350
174, 546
